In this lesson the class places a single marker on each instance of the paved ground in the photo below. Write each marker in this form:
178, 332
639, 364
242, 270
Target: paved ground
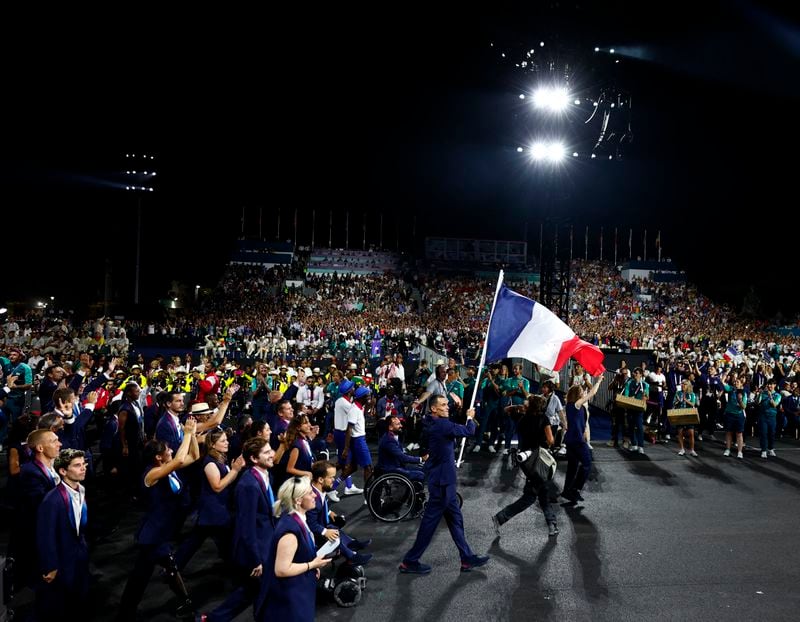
658, 537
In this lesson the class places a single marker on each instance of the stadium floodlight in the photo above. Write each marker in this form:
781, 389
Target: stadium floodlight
553, 152
554, 99
539, 151
611, 51
520, 150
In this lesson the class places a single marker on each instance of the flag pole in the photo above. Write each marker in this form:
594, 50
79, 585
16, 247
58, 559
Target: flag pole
480, 365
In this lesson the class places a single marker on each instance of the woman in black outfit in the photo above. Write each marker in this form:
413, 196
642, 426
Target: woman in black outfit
534, 431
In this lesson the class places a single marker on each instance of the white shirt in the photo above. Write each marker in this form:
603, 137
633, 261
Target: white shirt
341, 413
355, 417
77, 497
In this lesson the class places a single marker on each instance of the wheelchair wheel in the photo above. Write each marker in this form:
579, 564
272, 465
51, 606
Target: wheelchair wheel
391, 497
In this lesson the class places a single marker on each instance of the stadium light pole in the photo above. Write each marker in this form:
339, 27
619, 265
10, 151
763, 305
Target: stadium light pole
140, 177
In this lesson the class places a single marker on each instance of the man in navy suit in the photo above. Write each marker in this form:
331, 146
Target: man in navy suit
391, 456
61, 540
322, 522
36, 479
442, 499
254, 524
168, 428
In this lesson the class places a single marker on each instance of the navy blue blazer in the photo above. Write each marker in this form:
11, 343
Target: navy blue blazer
212, 507
391, 455
441, 464
60, 546
318, 518
34, 484
167, 431
290, 598
166, 502
254, 522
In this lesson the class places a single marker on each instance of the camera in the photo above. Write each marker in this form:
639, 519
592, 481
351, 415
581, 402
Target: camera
522, 456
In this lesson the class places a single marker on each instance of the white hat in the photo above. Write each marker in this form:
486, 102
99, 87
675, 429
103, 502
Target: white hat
353, 366
200, 408
317, 370
308, 371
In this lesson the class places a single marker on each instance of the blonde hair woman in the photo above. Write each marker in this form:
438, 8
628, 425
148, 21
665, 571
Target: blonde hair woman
289, 586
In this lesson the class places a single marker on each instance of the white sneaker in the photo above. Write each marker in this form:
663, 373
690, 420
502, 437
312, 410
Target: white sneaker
641, 450
505, 451
764, 455
693, 453
476, 449
492, 450
333, 496
740, 455
634, 448
726, 453
667, 437
771, 453
353, 490
681, 453
562, 451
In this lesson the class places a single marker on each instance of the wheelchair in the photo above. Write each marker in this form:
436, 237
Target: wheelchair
392, 497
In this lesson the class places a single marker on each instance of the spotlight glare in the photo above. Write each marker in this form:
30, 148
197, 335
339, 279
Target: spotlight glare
555, 152
597, 49
577, 102
553, 99
520, 150
611, 51
541, 44
594, 155
538, 151
574, 154
151, 189
522, 95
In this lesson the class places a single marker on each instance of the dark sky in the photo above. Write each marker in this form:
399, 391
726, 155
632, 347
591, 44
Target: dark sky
408, 113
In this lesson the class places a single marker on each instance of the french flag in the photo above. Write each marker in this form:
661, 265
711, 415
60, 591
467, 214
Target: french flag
522, 328
731, 354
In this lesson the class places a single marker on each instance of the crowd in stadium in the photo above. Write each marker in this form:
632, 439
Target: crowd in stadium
258, 395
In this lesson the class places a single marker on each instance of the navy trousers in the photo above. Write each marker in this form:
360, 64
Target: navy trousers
442, 501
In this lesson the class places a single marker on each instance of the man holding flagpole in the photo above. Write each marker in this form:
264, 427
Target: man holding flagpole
442, 498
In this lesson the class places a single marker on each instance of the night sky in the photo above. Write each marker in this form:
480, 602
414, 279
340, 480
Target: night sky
407, 113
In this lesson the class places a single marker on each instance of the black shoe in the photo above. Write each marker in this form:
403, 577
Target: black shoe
358, 545
553, 529
414, 568
570, 495
578, 496
476, 561
360, 559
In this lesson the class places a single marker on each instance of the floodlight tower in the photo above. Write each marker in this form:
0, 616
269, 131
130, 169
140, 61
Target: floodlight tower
140, 178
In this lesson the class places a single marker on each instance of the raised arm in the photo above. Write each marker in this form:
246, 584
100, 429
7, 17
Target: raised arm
579, 403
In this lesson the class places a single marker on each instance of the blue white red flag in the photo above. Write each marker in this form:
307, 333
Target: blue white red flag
522, 328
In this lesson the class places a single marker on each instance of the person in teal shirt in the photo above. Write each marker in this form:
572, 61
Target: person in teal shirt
734, 413
637, 388
685, 398
517, 389
455, 393
768, 400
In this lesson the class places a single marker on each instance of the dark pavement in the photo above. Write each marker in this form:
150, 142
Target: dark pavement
659, 537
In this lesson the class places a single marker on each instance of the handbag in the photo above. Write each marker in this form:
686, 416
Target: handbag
539, 466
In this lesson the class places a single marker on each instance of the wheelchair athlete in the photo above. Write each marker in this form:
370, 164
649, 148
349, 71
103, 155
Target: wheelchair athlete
392, 458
